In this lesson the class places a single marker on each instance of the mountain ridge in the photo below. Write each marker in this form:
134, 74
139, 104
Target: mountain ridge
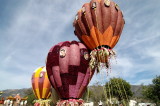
136, 89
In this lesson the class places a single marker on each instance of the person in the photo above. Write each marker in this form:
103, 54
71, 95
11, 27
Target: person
11, 103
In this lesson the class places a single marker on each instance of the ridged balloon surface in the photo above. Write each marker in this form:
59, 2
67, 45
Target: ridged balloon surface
68, 69
99, 24
40, 83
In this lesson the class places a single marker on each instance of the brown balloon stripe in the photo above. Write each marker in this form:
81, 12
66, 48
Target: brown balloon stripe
106, 16
114, 16
119, 24
97, 16
85, 14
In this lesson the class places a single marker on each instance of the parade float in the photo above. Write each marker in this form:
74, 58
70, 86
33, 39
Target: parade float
41, 87
68, 71
99, 24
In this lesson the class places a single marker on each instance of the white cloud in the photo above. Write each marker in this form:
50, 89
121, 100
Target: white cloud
37, 25
34, 27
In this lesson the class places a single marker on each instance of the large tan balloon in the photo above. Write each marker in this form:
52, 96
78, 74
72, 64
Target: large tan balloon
99, 23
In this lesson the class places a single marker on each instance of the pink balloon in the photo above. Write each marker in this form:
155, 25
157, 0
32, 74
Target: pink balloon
68, 69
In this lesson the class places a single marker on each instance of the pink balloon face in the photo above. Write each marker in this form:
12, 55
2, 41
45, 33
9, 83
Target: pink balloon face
68, 69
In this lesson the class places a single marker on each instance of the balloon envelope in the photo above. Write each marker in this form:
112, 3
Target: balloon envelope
40, 83
99, 23
67, 68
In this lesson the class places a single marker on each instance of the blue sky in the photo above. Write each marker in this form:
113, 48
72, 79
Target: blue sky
29, 28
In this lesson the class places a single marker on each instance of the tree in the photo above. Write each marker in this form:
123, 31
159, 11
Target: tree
94, 93
152, 91
87, 95
98, 94
31, 97
118, 88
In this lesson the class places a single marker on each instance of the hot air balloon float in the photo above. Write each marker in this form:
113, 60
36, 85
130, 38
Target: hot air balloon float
70, 65
41, 87
68, 71
98, 25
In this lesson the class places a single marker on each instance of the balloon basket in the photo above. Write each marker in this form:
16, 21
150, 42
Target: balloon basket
101, 55
70, 102
42, 102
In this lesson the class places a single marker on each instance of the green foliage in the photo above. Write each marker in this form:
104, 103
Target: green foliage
31, 97
94, 93
1, 93
87, 95
118, 88
98, 92
54, 97
152, 91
